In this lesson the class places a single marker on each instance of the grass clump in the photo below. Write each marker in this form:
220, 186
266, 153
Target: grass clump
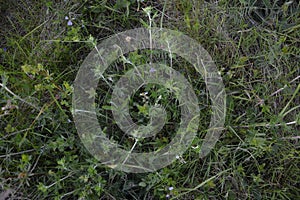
255, 45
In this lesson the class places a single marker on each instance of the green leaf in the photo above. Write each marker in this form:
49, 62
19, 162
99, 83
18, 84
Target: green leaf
298, 119
142, 184
25, 158
42, 187
91, 92
106, 107
9, 128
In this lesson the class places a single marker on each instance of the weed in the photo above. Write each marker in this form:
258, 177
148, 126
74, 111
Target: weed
255, 45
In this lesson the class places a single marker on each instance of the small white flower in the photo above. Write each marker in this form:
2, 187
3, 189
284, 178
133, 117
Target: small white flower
180, 159
66, 17
110, 79
128, 39
171, 188
143, 94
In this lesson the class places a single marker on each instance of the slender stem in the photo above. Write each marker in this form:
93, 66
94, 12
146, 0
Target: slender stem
18, 97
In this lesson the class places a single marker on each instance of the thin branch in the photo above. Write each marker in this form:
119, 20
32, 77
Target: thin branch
18, 97
285, 86
18, 153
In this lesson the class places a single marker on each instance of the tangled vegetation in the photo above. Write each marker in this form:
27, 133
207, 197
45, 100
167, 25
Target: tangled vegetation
256, 47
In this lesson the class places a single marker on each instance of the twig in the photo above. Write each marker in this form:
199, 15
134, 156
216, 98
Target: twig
285, 86
201, 184
20, 131
18, 153
136, 141
18, 97
265, 125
